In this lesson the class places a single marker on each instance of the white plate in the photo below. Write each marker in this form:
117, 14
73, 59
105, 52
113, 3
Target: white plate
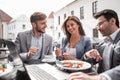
85, 66
49, 59
7, 70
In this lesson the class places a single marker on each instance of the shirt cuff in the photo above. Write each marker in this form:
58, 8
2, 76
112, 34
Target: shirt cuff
107, 77
23, 56
85, 57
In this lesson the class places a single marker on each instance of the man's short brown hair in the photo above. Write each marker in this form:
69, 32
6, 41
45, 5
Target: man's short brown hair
37, 16
108, 14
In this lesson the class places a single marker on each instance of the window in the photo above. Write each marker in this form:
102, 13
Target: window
59, 20
72, 12
64, 16
59, 34
51, 27
95, 33
81, 12
94, 7
23, 26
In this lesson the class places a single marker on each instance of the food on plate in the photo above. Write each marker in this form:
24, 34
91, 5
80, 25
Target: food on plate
69, 64
2, 67
73, 65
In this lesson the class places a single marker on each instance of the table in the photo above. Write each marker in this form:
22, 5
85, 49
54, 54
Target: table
53, 70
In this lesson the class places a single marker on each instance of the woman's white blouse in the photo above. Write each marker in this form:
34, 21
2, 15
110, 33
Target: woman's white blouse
71, 51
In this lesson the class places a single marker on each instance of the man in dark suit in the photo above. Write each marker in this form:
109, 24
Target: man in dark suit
33, 45
108, 52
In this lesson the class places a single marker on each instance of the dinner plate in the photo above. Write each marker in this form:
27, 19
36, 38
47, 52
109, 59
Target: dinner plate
7, 70
85, 65
49, 59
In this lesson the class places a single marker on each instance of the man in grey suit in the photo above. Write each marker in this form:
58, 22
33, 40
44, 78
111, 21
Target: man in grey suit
33, 45
108, 52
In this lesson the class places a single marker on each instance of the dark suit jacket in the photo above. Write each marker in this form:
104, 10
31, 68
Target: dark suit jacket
114, 71
23, 42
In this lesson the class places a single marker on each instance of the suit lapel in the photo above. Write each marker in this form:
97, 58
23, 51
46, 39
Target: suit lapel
111, 54
117, 38
29, 37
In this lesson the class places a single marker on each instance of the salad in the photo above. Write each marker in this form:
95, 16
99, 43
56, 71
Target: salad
2, 67
68, 64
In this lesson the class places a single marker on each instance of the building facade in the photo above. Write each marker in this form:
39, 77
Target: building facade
84, 10
4, 20
50, 24
20, 24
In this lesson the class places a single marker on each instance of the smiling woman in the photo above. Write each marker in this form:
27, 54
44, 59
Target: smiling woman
75, 43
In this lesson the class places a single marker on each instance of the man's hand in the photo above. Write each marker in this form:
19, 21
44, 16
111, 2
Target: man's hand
58, 52
83, 76
93, 54
32, 51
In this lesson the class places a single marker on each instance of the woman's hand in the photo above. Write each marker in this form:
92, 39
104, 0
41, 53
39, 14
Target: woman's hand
68, 57
58, 52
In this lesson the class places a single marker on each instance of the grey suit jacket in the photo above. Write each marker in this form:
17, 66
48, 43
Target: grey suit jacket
23, 43
114, 71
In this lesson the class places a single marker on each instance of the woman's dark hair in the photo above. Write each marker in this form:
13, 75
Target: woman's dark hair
37, 16
75, 19
108, 14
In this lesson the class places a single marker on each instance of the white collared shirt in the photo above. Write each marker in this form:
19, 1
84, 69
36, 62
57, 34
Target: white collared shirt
114, 34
